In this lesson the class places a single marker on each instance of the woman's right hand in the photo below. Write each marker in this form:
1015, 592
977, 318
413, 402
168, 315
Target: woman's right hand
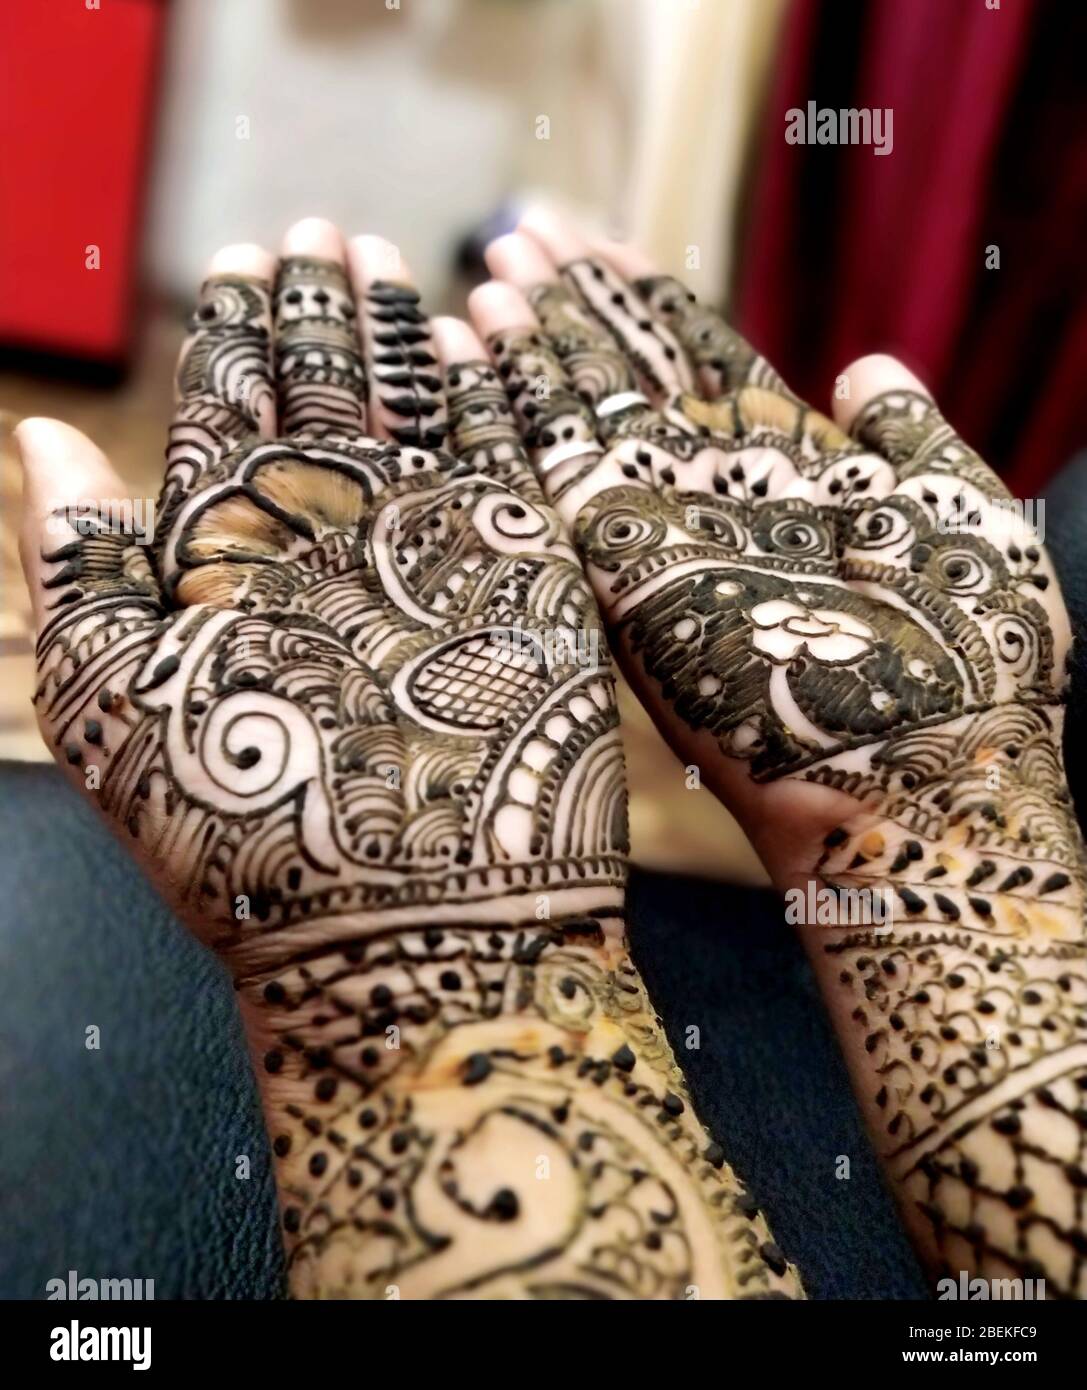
852, 631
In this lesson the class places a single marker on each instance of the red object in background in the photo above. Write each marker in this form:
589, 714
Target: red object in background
76, 98
849, 252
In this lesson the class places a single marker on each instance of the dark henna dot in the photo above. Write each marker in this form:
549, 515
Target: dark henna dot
477, 1068
624, 1059
504, 1205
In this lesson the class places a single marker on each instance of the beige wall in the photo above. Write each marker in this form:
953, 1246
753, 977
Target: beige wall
416, 122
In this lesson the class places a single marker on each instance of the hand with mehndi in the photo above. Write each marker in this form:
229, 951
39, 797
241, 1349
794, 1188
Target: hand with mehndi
852, 632
338, 706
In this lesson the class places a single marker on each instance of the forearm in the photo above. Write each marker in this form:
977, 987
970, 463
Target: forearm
492, 1112
964, 1016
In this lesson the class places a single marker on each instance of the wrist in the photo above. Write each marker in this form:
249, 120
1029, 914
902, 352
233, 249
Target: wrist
375, 1054
465, 1110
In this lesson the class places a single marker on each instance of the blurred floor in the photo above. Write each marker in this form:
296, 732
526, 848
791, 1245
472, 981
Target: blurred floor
671, 827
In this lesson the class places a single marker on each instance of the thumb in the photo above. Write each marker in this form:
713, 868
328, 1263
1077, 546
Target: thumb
66, 479
95, 598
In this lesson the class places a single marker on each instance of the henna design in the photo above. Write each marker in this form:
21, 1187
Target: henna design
640, 1204
725, 362
973, 1011
846, 611
481, 421
322, 381
646, 342
224, 381
549, 416
407, 840
597, 366
404, 367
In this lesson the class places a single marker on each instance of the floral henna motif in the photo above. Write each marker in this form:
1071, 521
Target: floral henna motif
404, 380
406, 835
868, 614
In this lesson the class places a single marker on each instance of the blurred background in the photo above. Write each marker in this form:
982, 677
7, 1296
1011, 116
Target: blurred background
140, 135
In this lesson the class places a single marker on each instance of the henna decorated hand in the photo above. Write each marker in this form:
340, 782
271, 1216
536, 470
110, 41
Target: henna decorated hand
336, 705
863, 649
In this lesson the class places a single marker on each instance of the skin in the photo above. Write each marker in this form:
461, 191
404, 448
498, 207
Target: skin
864, 652
298, 704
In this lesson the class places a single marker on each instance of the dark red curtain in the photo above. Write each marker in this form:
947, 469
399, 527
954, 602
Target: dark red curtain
848, 251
